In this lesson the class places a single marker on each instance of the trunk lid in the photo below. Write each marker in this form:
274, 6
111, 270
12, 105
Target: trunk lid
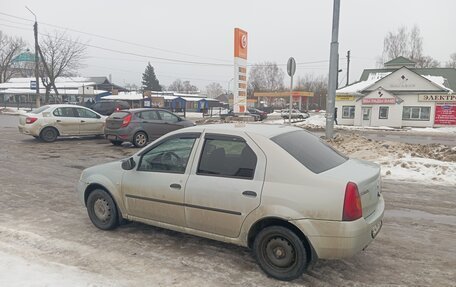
367, 177
115, 120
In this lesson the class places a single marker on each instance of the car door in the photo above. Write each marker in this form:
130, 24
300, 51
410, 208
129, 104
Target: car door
170, 122
90, 123
225, 184
66, 120
151, 123
155, 190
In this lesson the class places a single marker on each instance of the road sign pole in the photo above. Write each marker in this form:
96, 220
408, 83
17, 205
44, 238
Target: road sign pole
291, 69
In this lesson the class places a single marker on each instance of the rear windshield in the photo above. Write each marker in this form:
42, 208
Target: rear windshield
309, 150
40, 109
119, 115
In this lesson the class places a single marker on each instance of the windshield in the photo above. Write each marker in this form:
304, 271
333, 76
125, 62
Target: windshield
119, 115
40, 109
309, 150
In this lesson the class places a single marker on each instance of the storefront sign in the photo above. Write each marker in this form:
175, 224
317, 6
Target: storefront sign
345, 98
437, 98
240, 71
378, 101
445, 114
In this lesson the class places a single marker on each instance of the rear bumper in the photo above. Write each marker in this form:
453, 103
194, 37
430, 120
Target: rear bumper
32, 130
118, 135
340, 239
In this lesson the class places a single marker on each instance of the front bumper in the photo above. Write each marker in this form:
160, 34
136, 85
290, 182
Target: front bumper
80, 190
340, 239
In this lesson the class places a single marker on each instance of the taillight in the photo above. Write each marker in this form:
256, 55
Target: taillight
30, 120
126, 121
352, 203
117, 109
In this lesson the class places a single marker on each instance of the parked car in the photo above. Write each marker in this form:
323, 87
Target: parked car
263, 115
276, 189
231, 113
139, 126
295, 114
107, 107
51, 121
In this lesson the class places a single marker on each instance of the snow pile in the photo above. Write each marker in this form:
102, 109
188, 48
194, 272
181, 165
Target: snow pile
13, 111
432, 163
435, 130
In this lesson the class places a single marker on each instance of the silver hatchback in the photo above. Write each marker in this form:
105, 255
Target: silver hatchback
140, 126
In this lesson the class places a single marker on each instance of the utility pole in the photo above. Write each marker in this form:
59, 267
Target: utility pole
333, 70
348, 67
37, 61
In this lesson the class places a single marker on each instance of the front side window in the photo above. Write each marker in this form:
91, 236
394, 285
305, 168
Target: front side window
416, 113
383, 112
228, 157
65, 112
170, 156
348, 112
84, 113
168, 117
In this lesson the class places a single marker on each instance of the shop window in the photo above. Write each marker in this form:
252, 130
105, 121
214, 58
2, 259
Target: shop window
416, 113
383, 112
348, 112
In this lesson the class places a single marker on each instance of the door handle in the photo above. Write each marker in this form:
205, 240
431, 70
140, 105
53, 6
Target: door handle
83, 121
175, 185
249, 193
59, 121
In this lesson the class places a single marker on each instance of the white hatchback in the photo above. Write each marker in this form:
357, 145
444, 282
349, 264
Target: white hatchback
51, 121
276, 189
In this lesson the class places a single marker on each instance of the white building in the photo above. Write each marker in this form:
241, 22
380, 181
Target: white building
399, 95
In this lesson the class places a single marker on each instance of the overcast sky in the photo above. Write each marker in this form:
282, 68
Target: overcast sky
202, 31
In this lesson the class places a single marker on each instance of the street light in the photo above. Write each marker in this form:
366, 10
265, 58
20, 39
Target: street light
37, 79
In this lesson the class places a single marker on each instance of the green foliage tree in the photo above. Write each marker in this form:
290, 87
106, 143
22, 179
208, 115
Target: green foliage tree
149, 79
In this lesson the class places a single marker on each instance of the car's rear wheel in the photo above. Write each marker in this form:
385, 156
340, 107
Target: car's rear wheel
116, 143
140, 139
280, 253
102, 210
49, 134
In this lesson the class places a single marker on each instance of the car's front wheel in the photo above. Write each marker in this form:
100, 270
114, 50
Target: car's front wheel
102, 210
280, 253
49, 134
140, 139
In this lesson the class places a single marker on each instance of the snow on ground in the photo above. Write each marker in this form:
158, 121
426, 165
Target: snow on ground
18, 271
429, 164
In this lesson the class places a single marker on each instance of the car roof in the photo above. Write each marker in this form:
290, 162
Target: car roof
265, 130
64, 106
146, 109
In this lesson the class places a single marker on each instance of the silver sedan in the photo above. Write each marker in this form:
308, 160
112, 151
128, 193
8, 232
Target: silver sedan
276, 189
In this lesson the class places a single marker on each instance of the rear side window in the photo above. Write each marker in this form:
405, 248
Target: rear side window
310, 151
228, 157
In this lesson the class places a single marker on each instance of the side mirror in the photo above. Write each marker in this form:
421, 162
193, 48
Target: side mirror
128, 164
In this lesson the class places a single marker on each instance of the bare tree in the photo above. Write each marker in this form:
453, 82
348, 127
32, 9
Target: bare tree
452, 62
265, 76
189, 88
61, 57
316, 84
176, 86
214, 90
409, 45
10, 48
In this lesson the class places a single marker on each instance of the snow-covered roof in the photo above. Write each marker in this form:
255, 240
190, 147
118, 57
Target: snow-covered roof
64, 83
439, 81
61, 91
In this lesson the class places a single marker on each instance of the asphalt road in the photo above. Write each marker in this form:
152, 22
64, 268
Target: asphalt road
42, 221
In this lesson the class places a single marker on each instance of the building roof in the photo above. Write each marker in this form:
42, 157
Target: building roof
448, 74
399, 62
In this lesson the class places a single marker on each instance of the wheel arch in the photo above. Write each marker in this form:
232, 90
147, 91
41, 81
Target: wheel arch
276, 221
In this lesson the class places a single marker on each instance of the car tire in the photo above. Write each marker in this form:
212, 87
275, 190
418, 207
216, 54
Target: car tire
280, 253
116, 143
102, 210
49, 134
140, 139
